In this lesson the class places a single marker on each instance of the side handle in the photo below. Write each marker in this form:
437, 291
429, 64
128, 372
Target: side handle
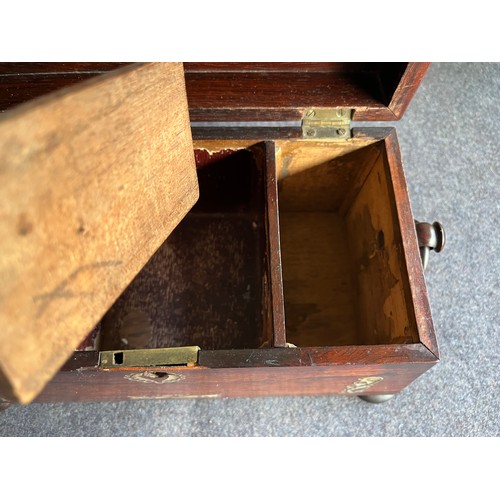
430, 237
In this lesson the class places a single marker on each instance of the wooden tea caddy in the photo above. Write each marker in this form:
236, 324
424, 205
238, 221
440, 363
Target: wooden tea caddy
281, 258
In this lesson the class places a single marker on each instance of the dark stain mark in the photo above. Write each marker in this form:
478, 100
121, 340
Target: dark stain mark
61, 290
380, 240
406, 338
24, 226
375, 282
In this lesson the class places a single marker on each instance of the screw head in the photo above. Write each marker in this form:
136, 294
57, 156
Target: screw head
310, 113
311, 132
341, 131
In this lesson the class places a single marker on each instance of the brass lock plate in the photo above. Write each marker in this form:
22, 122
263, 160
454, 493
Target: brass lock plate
170, 356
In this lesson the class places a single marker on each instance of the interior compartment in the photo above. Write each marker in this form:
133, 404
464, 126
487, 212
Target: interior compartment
342, 260
208, 283
344, 277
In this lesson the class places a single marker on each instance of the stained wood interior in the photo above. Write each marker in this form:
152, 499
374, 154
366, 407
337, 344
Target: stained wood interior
207, 285
344, 280
343, 277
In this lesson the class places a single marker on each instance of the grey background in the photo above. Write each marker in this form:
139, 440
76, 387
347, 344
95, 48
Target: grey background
450, 140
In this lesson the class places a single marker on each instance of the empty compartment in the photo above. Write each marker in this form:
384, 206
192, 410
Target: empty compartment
344, 278
207, 285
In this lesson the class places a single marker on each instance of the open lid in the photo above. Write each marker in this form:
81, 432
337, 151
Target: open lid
93, 180
250, 92
263, 92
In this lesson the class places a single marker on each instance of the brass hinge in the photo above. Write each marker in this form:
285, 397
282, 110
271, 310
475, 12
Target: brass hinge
327, 124
170, 356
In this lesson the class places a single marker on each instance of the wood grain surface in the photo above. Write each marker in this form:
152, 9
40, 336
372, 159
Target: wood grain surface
407, 86
343, 370
317, 280
248, 91
93, 179
275, 276
384, 310
416, 295
318, 181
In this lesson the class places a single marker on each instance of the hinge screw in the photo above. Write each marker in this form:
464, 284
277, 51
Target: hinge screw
341, 131
311, 132
310, 113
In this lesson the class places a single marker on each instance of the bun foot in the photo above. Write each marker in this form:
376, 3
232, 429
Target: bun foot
377, 398
4, 406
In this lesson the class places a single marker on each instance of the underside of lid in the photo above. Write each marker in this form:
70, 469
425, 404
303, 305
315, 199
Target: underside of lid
249, 92
283, 91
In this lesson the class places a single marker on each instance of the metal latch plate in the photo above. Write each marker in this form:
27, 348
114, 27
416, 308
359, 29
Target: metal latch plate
327, 124
170, 356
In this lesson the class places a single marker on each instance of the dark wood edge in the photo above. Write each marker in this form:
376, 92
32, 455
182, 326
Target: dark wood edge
244, 114
276, 133
375, 133
407, 87
317, 356
71, 89
42, 69
272, 133
245, 133
285, 356
373, 114
277, 299
411, 255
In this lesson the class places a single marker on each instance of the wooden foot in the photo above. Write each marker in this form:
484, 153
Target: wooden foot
377, 398
4, 406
